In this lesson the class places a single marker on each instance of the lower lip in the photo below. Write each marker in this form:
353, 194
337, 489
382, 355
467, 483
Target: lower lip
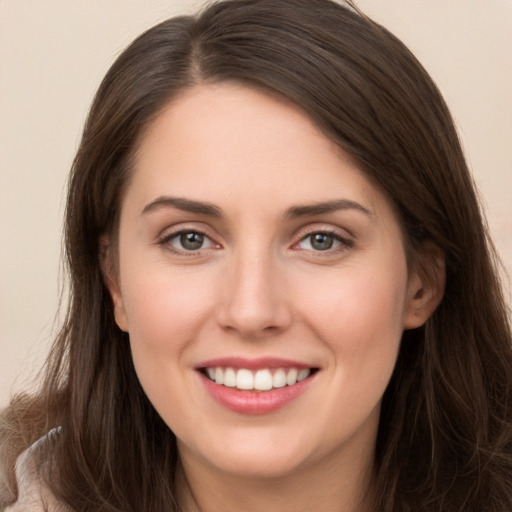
255, 402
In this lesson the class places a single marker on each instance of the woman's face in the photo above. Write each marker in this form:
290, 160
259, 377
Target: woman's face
254, 253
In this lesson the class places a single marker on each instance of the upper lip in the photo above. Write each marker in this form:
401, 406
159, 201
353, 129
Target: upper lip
252, 364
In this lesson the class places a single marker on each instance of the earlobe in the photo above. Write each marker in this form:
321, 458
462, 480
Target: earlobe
120, 315
426, 286
111, 280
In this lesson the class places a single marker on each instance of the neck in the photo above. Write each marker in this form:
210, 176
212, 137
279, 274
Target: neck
323, 487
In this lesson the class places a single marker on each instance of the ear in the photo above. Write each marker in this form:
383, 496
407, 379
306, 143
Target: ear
426, 285
111, 280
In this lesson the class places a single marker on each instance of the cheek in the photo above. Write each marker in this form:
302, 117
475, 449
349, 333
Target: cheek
361, 325
360, 318
164, 309
360, 300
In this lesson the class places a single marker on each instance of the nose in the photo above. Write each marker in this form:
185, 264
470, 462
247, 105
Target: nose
254, 302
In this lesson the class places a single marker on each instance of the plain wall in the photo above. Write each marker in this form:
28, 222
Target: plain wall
53, 54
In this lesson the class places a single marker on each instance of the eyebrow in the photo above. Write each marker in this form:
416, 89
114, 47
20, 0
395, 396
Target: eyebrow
186, 205
326, 207
204, 208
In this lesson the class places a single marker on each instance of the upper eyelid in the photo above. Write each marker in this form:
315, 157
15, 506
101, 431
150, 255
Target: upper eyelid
337, 231
174, 234
185, 227
300, 234
170, 232
343, 240
342, 235
164, 242
332, 232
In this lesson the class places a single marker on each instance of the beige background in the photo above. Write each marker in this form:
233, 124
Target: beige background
53, 54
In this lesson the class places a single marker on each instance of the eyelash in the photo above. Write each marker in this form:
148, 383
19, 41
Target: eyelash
165, 241
344, 243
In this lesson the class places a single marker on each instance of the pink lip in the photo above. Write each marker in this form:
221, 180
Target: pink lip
253, 402
252, 364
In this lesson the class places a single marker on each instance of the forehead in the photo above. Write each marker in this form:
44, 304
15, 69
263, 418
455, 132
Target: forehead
227, 141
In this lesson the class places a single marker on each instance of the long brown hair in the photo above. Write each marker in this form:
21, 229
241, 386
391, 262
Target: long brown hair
445, 435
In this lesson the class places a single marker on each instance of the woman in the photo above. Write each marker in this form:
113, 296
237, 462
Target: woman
282, 293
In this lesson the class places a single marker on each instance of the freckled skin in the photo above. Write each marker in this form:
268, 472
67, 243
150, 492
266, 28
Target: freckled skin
257, 287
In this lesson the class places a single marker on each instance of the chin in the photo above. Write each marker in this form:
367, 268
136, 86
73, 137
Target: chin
258, 456
263, 466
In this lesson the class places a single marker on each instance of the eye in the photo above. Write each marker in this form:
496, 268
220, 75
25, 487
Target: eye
187, 241
321, 241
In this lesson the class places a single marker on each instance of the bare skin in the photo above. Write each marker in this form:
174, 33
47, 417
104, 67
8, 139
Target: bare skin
247, 235
316, 488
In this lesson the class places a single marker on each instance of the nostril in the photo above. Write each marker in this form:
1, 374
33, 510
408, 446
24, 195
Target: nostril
254, 321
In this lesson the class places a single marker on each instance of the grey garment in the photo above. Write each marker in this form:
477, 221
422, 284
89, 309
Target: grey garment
33, 496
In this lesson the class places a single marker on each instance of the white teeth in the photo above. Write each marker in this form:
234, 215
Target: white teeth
244, 379
303, 374
262, 380
279, 379
230, 378
291, 378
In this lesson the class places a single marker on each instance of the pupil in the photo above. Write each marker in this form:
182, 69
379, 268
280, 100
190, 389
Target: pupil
191, 241
321, 241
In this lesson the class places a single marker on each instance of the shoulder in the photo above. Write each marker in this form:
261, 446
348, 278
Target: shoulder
33, 495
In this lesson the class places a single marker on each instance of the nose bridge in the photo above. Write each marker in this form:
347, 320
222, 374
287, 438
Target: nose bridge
254, 301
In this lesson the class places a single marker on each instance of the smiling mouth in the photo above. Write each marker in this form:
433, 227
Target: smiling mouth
264, 379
